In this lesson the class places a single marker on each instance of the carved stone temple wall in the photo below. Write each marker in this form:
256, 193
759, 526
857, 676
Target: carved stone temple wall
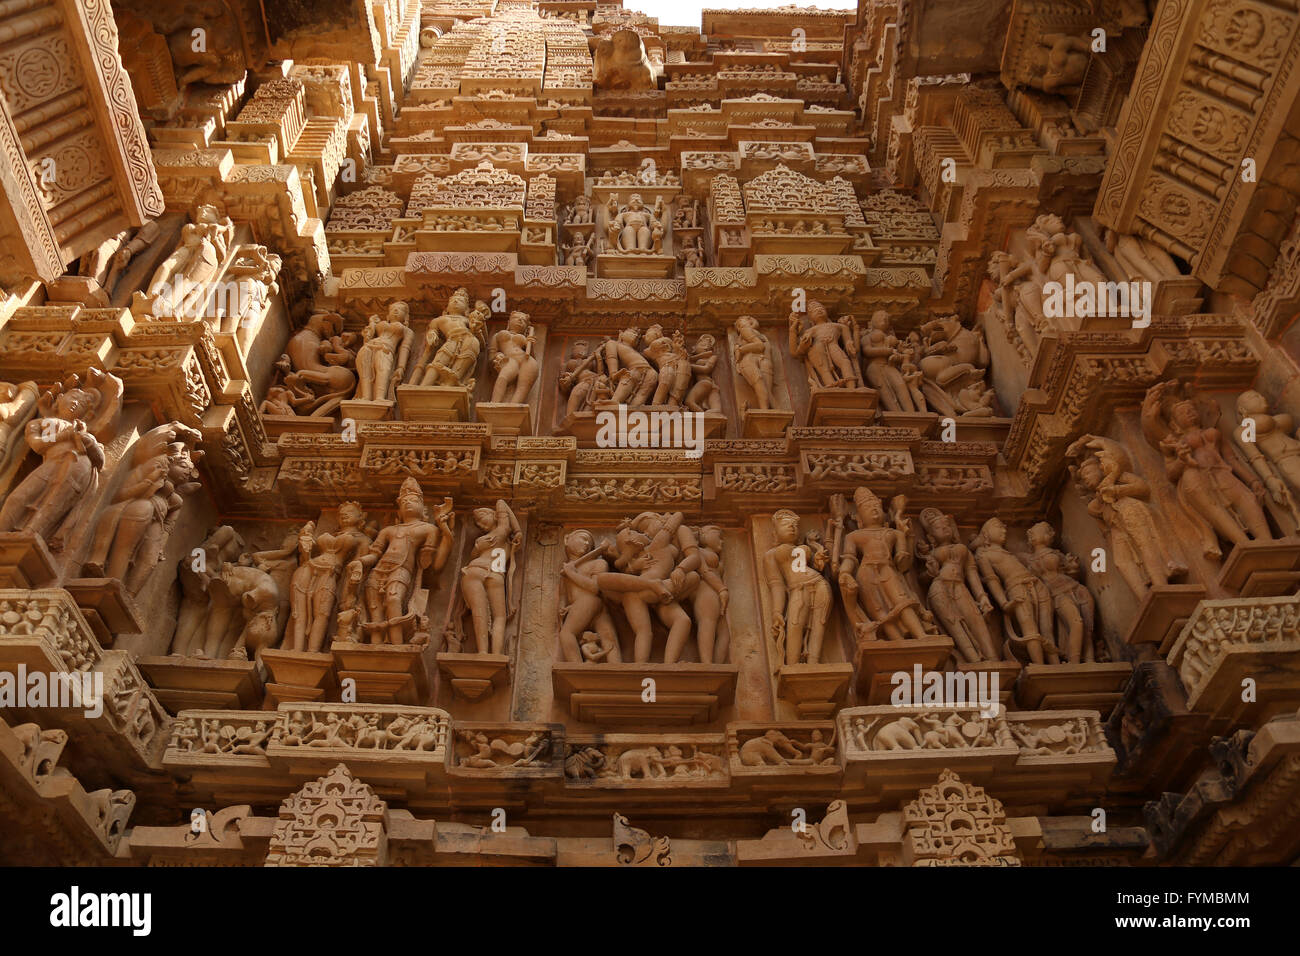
444, 432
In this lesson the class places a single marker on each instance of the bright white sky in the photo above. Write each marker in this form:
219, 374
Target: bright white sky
686, 13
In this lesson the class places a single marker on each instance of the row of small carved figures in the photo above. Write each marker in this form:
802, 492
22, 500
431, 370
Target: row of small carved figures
477, 749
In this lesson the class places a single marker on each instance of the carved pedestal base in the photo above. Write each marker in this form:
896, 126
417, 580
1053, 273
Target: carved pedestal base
473, 676
814, 689
1006, 671
366, 411
765, 423
1162, 614
432, 403
277, 425
1176, 296
384, 673
616, 693
298, 676
844, 407
878, 661
612, 265
506, 418
25, 561
109, 609
1239, 661
923, 422
1092, 686
983, 429
1262, 568
190, 683
581, 425
979, 747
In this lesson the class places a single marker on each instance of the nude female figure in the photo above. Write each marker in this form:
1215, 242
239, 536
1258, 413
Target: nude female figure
957, 596
486, 579
383, 354
315, 584
882, 360
1212, 488
753, 358
510, 353
707, 591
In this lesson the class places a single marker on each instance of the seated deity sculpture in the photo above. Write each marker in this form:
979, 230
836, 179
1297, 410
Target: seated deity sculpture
633, 229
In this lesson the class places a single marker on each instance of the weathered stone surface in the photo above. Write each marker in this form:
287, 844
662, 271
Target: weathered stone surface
528, 433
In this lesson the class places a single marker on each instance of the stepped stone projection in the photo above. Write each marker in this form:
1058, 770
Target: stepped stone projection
415, 407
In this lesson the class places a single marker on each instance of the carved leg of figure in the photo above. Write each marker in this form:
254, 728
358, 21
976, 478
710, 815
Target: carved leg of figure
903, 393
475, 595
578, 398
604, 625
845, 367
708, 615
394, 604
638, 615
505, 379
374, 608
681, 382
626, 385
1070, 623
1251, 513
322, 606
1045, 603
383, 375
758, 383
102, 546
188, 628
528, 372
365, 374
645, 387
663, 386
576, 618
646, 589
300, 616
223, 628
796, 622
1024, 611
678, 623
131, 528
820, 604
148, 551
1134, 567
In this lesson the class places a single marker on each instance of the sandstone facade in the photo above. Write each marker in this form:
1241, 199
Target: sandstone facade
520, 432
